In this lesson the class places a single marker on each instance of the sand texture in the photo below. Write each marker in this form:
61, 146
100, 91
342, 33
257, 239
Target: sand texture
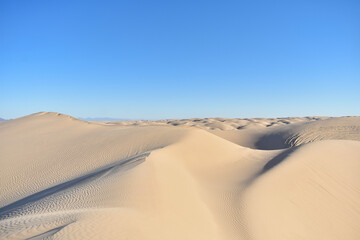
251, 179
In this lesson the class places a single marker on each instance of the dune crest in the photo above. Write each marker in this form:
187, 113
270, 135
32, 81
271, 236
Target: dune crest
286, 178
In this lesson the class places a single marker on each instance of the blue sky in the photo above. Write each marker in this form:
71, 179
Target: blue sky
180, 59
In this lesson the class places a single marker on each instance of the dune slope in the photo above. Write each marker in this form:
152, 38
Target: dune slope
63, 178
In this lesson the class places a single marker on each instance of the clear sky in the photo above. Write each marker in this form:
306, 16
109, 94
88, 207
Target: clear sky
180, 59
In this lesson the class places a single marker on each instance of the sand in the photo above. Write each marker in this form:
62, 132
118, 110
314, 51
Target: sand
283, 178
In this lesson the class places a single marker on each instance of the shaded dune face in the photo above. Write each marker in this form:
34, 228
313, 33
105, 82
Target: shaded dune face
288, 178
296, 132
347, 128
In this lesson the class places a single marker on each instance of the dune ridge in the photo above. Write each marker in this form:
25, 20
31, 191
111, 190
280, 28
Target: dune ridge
286, 178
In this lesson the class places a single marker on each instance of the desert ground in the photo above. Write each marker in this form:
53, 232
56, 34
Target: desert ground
212, 178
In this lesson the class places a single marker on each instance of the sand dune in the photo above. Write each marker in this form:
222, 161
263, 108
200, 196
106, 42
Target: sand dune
285, 178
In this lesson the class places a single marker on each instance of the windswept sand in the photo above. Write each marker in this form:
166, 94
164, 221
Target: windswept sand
268, 179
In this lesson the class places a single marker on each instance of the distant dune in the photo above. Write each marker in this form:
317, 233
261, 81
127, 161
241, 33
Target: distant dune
256, 179
104, 119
